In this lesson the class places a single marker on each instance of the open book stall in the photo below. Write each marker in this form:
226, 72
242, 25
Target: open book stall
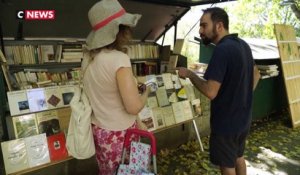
40, 65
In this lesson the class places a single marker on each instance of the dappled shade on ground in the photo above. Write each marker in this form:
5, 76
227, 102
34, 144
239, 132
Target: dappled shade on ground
273, 148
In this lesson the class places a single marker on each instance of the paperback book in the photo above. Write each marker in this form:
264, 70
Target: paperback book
37, 99
18, 102
37, 150
14, 155
25, 125
48, 122
57, 146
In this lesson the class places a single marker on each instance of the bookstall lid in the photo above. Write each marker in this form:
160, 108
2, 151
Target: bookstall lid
157, 17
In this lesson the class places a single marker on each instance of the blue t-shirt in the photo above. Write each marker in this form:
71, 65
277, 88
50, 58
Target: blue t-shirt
231, 65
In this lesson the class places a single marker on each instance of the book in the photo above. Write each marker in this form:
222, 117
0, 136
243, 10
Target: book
36, 99
158, 115
152, 101
7, 77
57, 146
18, 102
14, 155
48, 122
171, 67
182, 111
167, 78
64, 115
53, 97
162, 97
146, 116
25, 125
190, 93
37, 150
168, 115
178, 112
178, 46
47, 53
67, 92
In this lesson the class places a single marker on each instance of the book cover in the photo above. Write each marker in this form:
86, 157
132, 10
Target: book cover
178, 112
53, 97
64, 115
57, 146
162, 97
67, 92
167, 78
158, 117
152, 101
25, 125
146, 116
37, 99
187, 109
18, 102
37, 150
48, 122
190, 93
14, 155
168, 115
47, 53
171, 67
178, 46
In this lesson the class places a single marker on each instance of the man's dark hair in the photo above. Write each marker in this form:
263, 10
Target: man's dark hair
218, 15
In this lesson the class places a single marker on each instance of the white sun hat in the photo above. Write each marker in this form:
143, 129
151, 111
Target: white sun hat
105, 17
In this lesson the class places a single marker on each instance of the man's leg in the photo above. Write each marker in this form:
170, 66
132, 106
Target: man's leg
227, 171
240, 167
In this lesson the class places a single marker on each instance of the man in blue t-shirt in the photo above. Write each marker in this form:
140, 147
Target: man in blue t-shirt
229, 82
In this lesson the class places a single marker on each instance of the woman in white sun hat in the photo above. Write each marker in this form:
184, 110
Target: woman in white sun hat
109, 82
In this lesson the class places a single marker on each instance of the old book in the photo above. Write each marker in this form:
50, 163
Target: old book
14, 155
158, 117
146, 116
64, 115
167, 78
47, 53
67, 92
53, 97
18, 102
190, 93
172, 97
152, 101
162, 97
25, 125
48, 122
2, 57
7, 77
187, 109
168, 115
37, 150
57, 146
171, 67
178, 46
178, 112
37, 99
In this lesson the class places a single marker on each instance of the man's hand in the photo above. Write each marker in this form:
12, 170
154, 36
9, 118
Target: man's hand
184, 72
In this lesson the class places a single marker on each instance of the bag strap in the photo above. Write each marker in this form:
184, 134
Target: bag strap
84, 66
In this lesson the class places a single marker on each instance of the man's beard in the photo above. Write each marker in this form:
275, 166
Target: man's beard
206, 40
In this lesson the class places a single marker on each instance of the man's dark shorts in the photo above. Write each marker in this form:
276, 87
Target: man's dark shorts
224, 150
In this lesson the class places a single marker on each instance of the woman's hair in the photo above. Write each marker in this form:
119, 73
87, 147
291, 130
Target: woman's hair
123, 37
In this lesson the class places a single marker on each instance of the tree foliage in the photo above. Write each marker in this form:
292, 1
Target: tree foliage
255, 18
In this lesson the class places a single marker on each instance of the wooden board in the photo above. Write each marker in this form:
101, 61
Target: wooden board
290, 62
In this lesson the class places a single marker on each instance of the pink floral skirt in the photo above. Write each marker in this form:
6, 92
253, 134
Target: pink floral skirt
109, 147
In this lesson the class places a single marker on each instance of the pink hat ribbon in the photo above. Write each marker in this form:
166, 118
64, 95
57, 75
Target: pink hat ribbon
109, 19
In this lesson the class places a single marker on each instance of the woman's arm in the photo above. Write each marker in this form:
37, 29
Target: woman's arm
133, 101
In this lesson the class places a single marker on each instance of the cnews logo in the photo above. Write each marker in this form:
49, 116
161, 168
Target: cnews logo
36, 14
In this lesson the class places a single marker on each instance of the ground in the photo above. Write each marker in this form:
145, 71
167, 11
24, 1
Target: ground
273, 148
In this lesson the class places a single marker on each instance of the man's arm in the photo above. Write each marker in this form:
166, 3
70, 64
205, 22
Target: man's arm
209, 88
256, 76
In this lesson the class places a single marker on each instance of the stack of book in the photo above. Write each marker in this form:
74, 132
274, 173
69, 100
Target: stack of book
72, 53
267, 71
